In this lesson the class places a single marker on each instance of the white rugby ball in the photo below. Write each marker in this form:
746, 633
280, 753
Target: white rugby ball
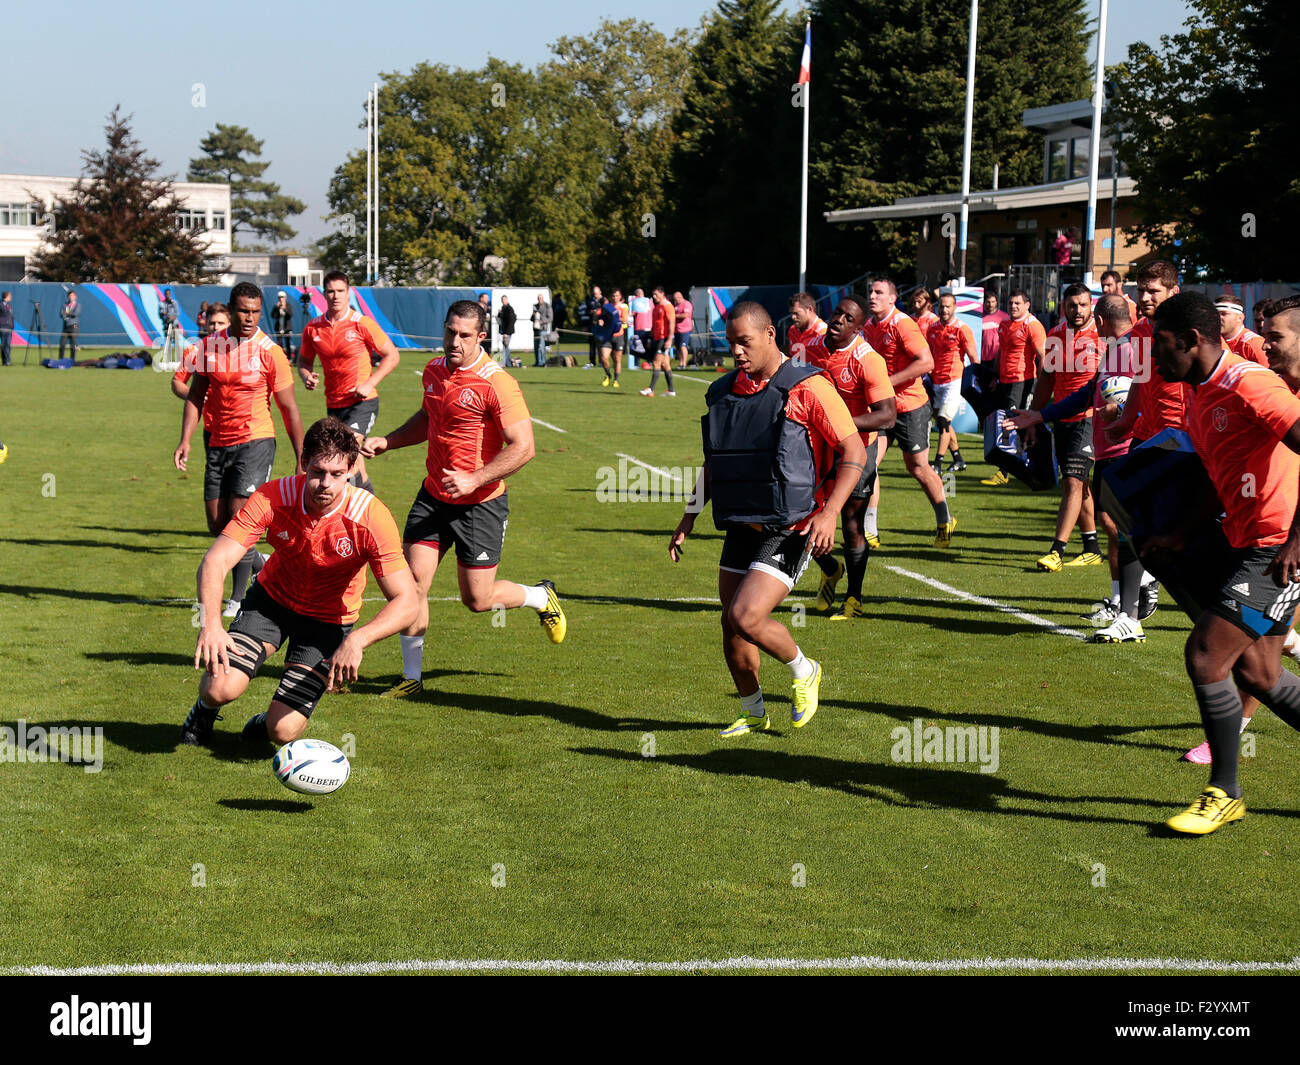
312, 767
1115, 389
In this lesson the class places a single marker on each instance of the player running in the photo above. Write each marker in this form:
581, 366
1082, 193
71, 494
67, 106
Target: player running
892, 333
1245, 425
478, 432
951, 343
770, 414
862, 380
345, 339
323, 533
236, 375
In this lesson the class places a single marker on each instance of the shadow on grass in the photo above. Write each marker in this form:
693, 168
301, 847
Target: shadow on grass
202, 535
32, 591
30, 541
575, 716
141, 658
277, 806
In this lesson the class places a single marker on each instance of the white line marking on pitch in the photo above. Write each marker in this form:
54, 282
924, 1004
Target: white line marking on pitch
654, 469
1033, 619
743, 963
548, 425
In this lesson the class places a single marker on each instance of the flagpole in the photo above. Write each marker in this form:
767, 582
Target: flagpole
370, 118
965, 158
1095, 149
805, 77
376, 184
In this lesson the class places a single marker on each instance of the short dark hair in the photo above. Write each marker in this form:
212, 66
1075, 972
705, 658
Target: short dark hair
329, 436
218, 308
803, 299
1113, 309
1159, 270
1187, 311
335, 275
1077, 289
1111, 273
468, 309
1266, 308
1285, 305
245, 290
752, 310
887, 281
862, 304
1022, 294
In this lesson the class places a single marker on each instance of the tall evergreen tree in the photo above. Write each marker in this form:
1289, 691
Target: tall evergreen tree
256, 206
118, 224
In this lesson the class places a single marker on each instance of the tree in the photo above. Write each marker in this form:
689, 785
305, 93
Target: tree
118, 224
256, 206
1210, 142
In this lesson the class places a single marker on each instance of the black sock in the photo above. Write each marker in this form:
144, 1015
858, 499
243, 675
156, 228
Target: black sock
239, 577
1058, 546
1130, 584
941, 513
1284, 699
956, 454
856, 561
1090, 543
828, 563
1220, 706
259, 560
668, 376
654, 379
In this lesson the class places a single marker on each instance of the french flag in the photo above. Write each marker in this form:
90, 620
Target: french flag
805, 61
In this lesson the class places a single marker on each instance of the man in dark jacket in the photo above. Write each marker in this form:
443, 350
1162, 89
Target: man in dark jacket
6, 326
506, 324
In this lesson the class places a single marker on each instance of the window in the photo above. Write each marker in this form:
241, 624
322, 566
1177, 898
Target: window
20, 214
1058, 160
1080, 147
191, 219
219, 220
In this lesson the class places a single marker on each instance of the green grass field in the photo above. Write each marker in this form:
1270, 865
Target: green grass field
525, 762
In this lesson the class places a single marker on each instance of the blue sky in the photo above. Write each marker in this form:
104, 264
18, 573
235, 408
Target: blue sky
297, 76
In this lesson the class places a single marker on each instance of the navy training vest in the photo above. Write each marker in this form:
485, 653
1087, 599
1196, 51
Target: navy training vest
761, 467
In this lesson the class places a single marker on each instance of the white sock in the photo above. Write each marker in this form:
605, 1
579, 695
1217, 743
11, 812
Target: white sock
753, 704
800, 666
1291, 638
1147, 579
412, 657
869, 521
534, 596
1244, 722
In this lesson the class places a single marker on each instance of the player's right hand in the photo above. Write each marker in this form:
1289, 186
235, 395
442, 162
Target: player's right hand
213, 651
309, 378
682, 531
374, 445
181, 455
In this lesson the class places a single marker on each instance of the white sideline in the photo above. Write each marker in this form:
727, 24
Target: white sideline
1033, 619
653, 469
743, 963
548, 425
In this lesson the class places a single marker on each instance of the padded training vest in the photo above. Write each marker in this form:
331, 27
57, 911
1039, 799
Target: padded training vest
761, 468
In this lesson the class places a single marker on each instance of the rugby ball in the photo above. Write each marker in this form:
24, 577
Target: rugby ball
312, 767
1115, 389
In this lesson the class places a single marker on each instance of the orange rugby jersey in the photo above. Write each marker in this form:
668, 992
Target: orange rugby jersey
815, 404
925, 321
242, 376
899, 340
859, 374
1161, 403
344, 348
467, 409
1237, 420
1072, 356
1019, 340
1248, 344
798, 339
948, 343
318, 565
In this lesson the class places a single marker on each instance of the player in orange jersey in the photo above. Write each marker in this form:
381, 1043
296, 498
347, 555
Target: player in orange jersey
1245, 425
323, 533
345, 340
478, 432
1021, 343
236, 375
951, 343
1113, 285
772, 432
923, 310
218, 321
806, 324
862, 380
895, 336
1236, 337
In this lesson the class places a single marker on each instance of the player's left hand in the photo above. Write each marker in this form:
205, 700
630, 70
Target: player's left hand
1285, 567
363, 391
821, 532
458, 483
1024, 419
344, 664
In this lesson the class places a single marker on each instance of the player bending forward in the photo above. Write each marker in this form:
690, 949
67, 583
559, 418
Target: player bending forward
771, 435
478, 431
323, 532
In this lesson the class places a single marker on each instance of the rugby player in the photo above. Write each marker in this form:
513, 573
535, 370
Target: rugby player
896, 337
218, 321
661, 328
862, 380
236, 375
1236, 337
951, 342
478, 432
1245, 425
770, 412
345, 339
1113, 285
806, 324
1021, 343
323, 533
923, 310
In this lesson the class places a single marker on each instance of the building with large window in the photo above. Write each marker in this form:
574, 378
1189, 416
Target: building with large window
25, 201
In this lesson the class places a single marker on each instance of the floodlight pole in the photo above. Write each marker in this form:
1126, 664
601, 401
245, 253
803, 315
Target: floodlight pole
370, 118
375, 156
970, 116
803, 176
1095, 149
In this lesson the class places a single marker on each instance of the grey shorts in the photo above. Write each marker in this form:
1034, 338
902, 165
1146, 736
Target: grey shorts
238, 470
360, 417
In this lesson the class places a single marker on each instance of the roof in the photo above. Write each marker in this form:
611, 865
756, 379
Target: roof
1074, 190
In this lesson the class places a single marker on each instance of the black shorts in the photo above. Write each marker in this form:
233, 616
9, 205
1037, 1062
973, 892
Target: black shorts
1073, 444
311, 643
911, 430
867, 482
783, 555
661, 346
360, 417
477, 529
1014, 394
1241, 592
238, 470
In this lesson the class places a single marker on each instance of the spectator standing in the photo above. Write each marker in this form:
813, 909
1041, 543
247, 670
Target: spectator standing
587, 311
6, 326
1062, 248
642, 320
201, 320
542, 318
560, 310
506, 323
684, 313
282, 323
71, 315
485, 301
